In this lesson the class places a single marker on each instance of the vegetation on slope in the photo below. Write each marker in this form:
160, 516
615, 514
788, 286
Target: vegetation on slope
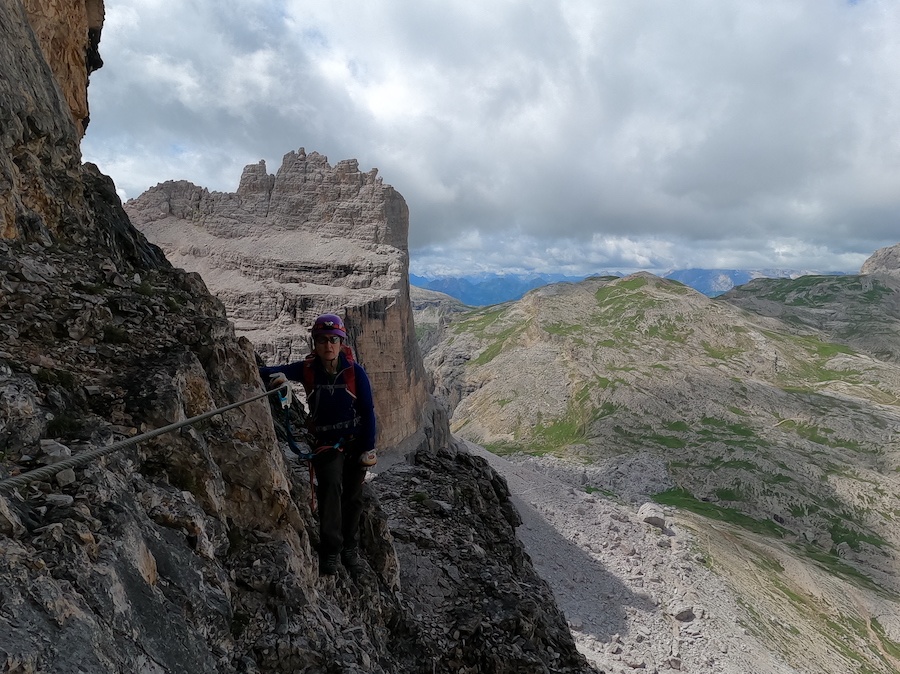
748, 412
766, 423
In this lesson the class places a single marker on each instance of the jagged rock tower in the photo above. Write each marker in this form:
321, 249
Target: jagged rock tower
308, 240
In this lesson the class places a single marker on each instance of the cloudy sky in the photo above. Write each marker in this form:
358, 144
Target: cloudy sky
550, 135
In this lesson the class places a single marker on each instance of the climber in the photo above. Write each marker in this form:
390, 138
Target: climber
342, 421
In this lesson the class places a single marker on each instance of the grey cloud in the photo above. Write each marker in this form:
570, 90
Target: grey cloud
714, 128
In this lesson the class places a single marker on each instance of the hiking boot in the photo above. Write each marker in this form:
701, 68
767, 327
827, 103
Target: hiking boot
368, 459
328, 564
352, 561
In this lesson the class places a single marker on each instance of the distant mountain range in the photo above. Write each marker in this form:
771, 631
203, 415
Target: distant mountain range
484, 289
481, 290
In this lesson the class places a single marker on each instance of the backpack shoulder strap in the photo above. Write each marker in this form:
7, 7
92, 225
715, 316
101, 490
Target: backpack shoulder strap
350, 372
309, 374
350, 379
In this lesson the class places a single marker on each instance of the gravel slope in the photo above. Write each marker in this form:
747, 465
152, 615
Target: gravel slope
636, 596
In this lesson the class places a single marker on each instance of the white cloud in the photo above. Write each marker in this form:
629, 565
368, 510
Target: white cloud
640, 133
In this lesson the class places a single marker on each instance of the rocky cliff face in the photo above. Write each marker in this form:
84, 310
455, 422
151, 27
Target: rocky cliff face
883, 261
36, 123
69, 34
432, 313
195, 551
313, 238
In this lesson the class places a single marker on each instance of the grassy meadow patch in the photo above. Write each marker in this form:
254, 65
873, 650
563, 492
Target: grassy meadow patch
723, 353
681, 498
819, 435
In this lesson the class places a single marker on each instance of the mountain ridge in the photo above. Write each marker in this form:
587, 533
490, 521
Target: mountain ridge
495, 288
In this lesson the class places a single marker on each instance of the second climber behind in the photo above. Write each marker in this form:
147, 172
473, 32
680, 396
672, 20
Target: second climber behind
342, 422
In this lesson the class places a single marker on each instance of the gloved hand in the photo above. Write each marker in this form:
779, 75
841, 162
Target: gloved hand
368, 459
277, 379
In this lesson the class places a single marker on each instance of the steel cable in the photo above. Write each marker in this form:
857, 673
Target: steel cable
16, 481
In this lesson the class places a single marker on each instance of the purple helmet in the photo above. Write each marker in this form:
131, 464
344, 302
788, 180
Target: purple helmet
329, 324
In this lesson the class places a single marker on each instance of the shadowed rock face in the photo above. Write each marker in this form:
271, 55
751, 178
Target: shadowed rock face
432, 312
195, 551
308, 240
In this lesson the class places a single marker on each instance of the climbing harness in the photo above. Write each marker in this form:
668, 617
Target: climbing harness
349, 374
314, 390
45, 472
285, 398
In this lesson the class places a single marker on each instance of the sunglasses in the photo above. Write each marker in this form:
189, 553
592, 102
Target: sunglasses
328, 339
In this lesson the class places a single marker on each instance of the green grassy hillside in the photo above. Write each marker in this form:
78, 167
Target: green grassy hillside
772, 412
778, 424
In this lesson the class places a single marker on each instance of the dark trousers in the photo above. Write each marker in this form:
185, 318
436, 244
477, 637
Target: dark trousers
339, 493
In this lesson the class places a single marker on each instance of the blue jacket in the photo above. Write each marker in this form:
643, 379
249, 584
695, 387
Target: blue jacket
334, 413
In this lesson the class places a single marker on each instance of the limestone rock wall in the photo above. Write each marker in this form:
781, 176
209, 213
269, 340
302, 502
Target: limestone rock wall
432, 313
68, 32
284, 248
36, 126
384, 334
102, 338
883, 261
